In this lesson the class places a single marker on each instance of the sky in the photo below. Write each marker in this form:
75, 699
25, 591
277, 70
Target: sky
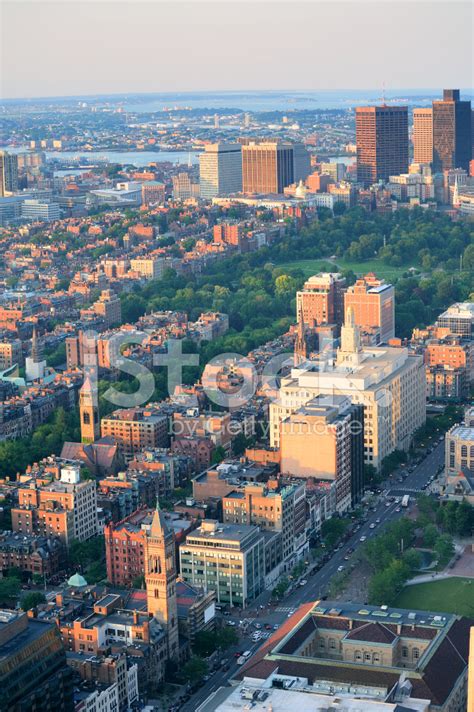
75, 48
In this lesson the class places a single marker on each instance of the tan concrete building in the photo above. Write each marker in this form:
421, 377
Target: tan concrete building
10, 353
321, 301
109, 307
423, 136
272, 508
318, 441
134, 429
388, 382
220, 170
148, 267
373, 302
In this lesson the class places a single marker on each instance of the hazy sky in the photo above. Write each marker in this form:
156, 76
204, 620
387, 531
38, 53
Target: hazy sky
88, 47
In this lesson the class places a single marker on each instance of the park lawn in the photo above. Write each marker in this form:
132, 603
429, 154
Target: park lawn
452, 595
310, 267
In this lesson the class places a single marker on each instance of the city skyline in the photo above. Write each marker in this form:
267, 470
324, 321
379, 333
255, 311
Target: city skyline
189, 42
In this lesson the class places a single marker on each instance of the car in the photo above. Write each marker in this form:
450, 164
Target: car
276, 626
387, 504
363, 538
231, 623
238, 654
303, 582
268, 626
340, 568
258, 626
347, 557
377, 521
372, 526
398, 509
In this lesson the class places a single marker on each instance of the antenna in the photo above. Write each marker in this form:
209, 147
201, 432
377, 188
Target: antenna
382, 98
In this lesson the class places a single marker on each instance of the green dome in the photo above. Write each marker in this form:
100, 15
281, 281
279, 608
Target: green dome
77, 581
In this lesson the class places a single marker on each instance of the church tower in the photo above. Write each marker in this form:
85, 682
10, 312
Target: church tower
160, 578
350, 339
301, 345
89, 412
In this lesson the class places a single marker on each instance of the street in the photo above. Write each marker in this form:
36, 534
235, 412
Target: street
318, 582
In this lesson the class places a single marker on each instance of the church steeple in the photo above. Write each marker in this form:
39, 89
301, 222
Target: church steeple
350, 337
301, 346
160, 577
89, 412
36, 348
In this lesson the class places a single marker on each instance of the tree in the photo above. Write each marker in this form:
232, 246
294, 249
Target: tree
218, 455
412, 559
444, 547
32, 599
430, 535
9, 589
194, 670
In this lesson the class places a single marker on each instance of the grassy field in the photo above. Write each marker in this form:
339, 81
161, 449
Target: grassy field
310, 267
452, 595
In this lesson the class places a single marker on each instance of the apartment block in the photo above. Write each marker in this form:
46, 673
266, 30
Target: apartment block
272, 507
323, 440
135, 429
226, 558
321, 301
66, 508
373, 302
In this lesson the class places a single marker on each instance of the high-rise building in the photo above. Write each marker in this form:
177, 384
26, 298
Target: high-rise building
388, 382
8, 173
452, 132
220, 170
324, 440
268, 166
382, 142
321, 301
160, 578
423, 135
301, 162
226, 558
373, 303
33, 670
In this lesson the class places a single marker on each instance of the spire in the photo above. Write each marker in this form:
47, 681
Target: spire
159, 525
36, 350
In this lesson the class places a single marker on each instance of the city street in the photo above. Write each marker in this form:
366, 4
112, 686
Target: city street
318, 582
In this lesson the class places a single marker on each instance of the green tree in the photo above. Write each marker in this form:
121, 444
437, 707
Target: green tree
194, 670
430, 535
9, 589
444, 547
218, 455
32, 599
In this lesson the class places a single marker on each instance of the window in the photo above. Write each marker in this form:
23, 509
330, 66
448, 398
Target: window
416, 653
357, 655
404, 652
367, 657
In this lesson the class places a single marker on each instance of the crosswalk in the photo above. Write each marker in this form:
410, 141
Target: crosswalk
285, 609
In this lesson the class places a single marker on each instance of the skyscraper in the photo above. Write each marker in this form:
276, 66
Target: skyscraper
8, 173
160, 578
452, 134
268, 166
382, 142
423, 135
220, 170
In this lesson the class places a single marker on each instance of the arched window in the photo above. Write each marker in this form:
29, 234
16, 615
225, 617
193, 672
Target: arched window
463, 450
357, 656
376, 658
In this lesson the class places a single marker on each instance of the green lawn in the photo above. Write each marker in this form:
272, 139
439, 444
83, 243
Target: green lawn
310, 267
453, 595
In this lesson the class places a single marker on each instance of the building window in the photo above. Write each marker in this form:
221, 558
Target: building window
404, 652
416, 653
357, 655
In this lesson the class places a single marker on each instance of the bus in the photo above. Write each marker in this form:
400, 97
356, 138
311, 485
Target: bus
405, 500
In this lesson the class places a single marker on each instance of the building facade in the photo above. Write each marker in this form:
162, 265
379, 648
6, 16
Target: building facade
452, 133
382, 142
220, 170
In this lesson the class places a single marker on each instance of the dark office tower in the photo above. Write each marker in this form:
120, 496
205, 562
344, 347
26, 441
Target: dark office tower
452, 133
33, 670
8, 173
382, 142
267, 166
